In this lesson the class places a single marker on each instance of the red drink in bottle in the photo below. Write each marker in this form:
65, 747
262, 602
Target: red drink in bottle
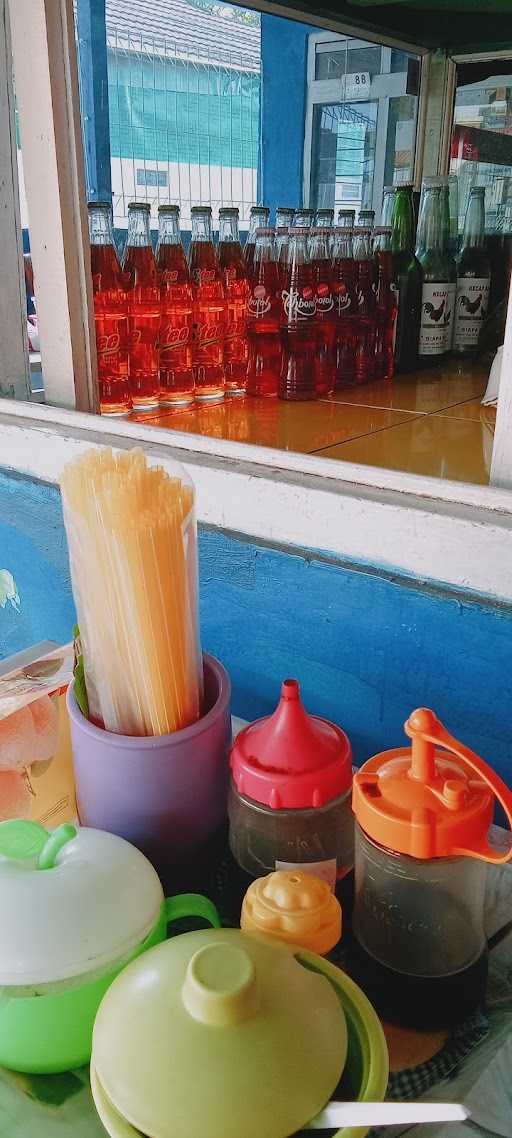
209, 308
325, 359
365, 338
258, 219
110, 314
236, 291
386, 306
143, 291
175, 338
345, 303
263, 318
298, 324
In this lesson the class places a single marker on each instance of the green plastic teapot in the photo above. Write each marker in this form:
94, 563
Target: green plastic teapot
217, 1033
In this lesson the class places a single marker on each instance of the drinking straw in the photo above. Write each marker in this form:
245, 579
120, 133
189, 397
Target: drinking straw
133, 556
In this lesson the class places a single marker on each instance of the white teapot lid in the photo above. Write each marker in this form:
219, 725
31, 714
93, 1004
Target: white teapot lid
71, 901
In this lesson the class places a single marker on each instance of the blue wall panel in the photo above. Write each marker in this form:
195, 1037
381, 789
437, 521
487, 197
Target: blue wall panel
284, 45
366, 648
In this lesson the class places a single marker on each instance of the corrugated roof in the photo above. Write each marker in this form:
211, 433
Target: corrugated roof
182, 26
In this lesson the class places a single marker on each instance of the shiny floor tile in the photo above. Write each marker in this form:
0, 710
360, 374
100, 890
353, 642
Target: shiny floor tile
424, 392
435, 445
471, 409
300, 427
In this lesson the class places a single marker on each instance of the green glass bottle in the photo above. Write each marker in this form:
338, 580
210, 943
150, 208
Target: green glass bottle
439, 276
407, 277
473, 277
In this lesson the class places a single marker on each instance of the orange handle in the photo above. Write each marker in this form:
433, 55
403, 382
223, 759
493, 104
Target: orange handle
423, 725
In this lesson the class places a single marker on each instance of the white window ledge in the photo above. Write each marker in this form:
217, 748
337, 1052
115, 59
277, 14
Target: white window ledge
436, 530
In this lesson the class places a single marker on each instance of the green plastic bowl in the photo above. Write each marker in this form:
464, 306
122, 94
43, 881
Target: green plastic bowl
365, 1077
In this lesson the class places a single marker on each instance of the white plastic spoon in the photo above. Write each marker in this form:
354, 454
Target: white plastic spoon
338, 1114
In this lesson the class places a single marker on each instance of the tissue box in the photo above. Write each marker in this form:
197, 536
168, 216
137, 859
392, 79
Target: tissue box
36, 770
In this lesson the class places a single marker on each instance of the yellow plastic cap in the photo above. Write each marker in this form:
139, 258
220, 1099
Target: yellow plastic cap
293, 906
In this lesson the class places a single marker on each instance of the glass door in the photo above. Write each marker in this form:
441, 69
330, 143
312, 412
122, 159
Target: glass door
362, 104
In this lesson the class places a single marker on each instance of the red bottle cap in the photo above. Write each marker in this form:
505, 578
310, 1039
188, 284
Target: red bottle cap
291, 760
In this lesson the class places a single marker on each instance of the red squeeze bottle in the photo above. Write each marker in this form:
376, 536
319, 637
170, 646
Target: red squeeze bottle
209, 308
263, 318
143, 291
236, 291
176, 374
110, 314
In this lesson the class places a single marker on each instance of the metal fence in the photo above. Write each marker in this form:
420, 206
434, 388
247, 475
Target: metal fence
184, 121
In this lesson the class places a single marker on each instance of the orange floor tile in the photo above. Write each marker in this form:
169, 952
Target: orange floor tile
430, 423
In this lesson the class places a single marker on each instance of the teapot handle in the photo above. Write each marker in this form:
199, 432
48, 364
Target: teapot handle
423, 725
191, 905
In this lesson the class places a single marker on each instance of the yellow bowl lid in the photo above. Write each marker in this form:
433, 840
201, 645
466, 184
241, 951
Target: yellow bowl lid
218, 1033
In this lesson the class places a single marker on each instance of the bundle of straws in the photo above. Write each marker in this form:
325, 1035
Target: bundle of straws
133, 555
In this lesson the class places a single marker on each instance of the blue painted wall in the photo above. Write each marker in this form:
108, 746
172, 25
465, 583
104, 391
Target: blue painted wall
284, 45
367, 649
92, 64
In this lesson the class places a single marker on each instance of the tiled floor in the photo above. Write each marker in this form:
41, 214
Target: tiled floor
430, 423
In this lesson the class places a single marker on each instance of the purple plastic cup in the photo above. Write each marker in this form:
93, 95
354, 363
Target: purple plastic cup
167, 795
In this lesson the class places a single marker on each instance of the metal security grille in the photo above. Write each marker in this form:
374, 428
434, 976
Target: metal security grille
184, 111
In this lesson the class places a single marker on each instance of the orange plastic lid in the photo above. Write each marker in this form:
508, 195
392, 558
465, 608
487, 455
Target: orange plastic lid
293, 906
421, 801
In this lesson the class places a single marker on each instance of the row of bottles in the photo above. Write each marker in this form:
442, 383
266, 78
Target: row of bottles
297, 314
303, 311
442, 300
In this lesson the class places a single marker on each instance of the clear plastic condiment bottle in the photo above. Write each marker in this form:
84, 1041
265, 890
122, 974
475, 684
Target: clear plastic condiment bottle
289, 802
423, 815
293, 906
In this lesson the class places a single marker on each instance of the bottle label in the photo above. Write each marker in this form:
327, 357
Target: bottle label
343, 300
470, 310
324, 299
259, 302
299, 305
208, 334
324, 869
173, 336
169, 276
204, 276
437, 301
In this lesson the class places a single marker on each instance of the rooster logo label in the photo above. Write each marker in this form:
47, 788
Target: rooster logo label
470, 306
434, 314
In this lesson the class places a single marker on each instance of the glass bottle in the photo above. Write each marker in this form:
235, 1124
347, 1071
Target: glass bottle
321, 265
284, 216
365, 277
438, 275
473, 277
303, 219
236, 291
407, 276
258, 218
298, 325
388, 205
264, 318
344, 282
209, 308
386, 307
324, 218
366, 218
281, 249
175, 339
143, 289
110, 314
347, 218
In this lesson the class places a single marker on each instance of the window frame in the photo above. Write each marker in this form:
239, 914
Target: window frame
61, 159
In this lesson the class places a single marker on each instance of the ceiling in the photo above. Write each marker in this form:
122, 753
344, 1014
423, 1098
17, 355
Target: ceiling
466, 25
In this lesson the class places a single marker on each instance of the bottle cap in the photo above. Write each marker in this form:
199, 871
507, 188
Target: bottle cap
427, 802
295, 906
291, 760
145, 206
229, 211
169, 208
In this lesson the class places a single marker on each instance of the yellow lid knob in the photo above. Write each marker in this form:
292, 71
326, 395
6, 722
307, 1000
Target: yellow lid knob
293, 906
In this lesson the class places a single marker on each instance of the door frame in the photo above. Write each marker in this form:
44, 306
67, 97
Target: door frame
382, 87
